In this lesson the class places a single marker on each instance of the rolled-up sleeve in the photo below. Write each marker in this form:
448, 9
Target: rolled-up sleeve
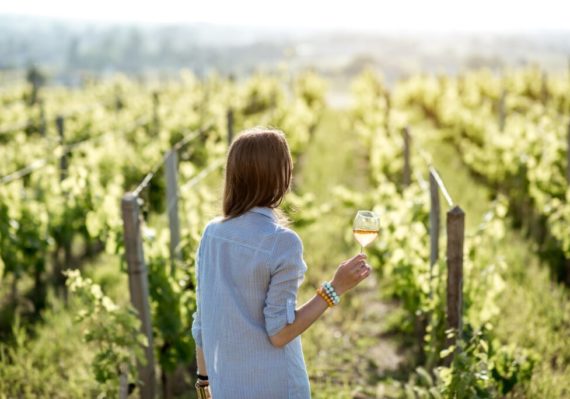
196, 316
287, 275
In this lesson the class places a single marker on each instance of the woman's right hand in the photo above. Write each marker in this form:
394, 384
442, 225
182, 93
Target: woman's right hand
349, 273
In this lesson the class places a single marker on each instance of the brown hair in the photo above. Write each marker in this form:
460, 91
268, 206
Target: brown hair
259, 171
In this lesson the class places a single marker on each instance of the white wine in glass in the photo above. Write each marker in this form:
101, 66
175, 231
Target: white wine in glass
365, 228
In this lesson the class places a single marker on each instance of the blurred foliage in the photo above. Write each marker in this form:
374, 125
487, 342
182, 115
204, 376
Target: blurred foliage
127, 133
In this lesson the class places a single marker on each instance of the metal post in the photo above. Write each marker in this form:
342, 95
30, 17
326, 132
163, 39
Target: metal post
138, 287
455, 239
171, 174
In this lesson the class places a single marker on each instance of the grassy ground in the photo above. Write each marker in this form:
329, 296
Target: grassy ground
349, 350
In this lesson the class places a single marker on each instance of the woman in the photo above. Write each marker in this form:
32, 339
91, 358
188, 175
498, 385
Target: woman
249, 267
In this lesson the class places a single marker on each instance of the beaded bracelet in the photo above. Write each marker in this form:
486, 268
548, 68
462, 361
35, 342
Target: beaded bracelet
327, 299
329, 289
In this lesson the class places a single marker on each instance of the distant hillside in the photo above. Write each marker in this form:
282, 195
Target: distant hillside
69, 49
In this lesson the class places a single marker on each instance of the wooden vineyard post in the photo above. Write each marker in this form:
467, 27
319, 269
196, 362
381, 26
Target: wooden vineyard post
155, 117
568, 154
502, 112
63, 165
36, 79
455, 238
387, 112
138, 286
60, 126
123, 382
407, 168
274, 105
568, 180
203, 107
434, 214
118, 103
544, 88
230, 125
42, 123
171, 172
422, 320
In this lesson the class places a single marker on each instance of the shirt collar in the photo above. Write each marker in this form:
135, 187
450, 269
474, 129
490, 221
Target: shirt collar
264, 210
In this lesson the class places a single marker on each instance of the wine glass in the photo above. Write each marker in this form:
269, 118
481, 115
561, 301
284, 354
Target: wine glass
365, 228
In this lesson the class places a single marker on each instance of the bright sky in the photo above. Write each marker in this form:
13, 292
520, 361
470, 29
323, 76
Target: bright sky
417, 15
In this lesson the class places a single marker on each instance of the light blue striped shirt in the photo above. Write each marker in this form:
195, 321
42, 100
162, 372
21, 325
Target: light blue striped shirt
248, 273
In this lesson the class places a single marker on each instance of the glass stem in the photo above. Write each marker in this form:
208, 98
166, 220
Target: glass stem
361, 249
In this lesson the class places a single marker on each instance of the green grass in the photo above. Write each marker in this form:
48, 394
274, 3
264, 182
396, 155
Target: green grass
53, 361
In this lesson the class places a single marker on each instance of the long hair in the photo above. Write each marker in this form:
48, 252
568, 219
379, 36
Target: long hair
259, 171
